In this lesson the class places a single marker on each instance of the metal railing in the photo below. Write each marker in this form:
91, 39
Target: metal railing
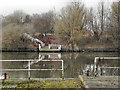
55, 45
97, 64
29, 69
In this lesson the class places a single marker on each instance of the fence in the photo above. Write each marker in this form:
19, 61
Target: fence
97, 62
29, 69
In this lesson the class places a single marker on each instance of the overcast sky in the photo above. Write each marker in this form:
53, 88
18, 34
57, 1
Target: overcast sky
38, 6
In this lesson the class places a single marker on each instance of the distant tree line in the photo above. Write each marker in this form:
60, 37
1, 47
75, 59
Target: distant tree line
78, 26
75, 26
18, 23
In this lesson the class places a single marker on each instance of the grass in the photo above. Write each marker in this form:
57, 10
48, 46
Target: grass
76, 83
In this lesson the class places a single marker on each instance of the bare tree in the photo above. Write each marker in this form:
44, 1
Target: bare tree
44, 23
70, 24
114, 21
97, 21
17, 17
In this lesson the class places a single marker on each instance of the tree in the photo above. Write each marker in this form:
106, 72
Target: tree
44, 23
114, 21
13, 36
98, 21
71, 23
27, 19
17, 18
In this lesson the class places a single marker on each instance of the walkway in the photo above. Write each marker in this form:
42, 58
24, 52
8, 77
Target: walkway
100, 81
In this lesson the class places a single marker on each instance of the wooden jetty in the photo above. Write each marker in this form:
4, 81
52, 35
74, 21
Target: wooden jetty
50, 48
42, 46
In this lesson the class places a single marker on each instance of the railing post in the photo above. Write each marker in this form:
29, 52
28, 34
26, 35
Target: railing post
101, 66
60, 47
39, 56
95, 67
49, 46
62, 71
29, 70
39, 47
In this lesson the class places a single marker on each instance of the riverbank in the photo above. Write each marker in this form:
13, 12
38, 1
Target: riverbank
64, 50
19, 83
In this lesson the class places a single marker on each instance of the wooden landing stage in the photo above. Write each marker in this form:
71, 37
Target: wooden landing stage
100, 82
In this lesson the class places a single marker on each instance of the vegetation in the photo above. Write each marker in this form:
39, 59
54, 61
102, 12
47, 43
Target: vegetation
80, 27
75, 27
43, 84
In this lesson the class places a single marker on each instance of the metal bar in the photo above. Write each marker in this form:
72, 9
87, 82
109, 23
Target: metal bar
31, 69
97, 62
62, 70
34, 60
111, 67
107, 58
36, 69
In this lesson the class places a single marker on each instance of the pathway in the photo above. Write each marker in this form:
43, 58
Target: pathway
100, 81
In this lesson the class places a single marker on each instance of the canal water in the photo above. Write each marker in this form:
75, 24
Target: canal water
74, 64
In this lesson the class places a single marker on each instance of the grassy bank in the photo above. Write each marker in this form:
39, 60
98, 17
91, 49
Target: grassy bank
76, 83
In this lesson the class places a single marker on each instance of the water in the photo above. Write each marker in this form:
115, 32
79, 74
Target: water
74, 64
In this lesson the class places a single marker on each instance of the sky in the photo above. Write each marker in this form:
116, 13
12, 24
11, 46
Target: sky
38, 6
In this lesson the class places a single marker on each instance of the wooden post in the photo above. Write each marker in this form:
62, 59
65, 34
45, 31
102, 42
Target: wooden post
5, 76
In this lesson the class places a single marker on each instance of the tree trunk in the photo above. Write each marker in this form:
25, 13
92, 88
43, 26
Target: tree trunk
72, 45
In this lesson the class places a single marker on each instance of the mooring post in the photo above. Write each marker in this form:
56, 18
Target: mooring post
5, 76
62, 71
29, 70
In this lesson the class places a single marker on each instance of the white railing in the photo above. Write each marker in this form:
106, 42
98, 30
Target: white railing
57, 56
98, 65
42, 44
29, 69
54, 45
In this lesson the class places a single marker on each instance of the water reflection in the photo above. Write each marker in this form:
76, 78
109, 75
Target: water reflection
74, 64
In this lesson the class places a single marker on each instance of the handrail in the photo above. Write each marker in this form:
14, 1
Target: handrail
97, 61
29, 69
